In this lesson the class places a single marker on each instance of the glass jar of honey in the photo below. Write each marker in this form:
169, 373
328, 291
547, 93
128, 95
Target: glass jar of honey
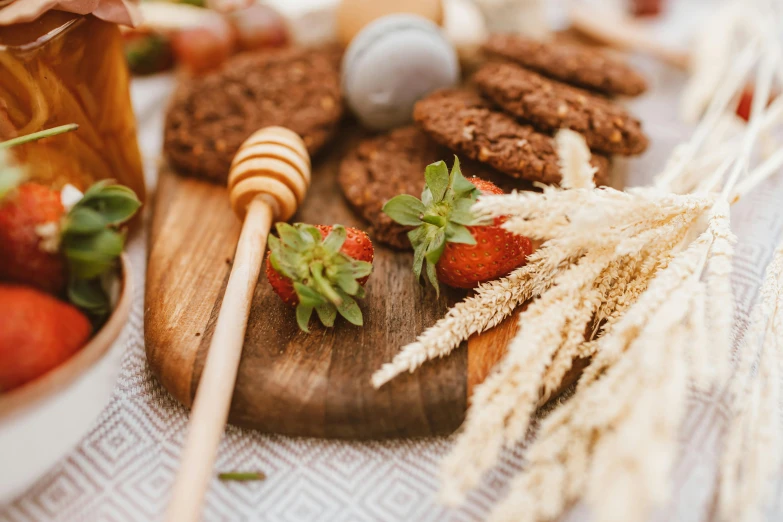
66, 68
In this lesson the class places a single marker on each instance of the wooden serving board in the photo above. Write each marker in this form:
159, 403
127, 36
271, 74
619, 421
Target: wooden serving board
289, 382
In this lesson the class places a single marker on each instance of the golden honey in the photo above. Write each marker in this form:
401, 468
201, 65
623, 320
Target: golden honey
65, 68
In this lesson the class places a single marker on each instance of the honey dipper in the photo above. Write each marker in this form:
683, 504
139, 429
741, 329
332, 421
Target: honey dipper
268, 180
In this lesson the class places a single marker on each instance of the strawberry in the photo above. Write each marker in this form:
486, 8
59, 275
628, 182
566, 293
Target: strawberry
28, 258
457, 247
746, 102
37, 333
54, 251
320, 267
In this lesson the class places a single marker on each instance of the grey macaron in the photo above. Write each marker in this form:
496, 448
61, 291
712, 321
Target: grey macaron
392, 63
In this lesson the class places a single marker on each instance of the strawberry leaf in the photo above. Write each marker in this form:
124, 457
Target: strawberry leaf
92, 241
459, 234
350, 310
404, 209
436, 246
290, 237
84, 220
459, 185
327, 313
90, 256
303, 313
89, 296
437, 178
321, 274
463, 214
310, 234
432, 275
348, 284
416, 237
308, 296
361, 269
115, 203
336, 238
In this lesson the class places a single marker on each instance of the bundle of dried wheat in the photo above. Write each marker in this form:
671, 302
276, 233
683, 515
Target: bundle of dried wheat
645, 273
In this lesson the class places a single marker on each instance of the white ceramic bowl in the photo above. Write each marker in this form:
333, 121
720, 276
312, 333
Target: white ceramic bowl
41, 421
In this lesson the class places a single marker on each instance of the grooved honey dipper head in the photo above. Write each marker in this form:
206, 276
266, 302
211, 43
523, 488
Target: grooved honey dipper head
272, 163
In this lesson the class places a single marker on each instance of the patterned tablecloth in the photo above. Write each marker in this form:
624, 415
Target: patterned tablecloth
124, 467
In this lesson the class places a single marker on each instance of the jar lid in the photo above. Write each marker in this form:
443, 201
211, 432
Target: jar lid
125, 12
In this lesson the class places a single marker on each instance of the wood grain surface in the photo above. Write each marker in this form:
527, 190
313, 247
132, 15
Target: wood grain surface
289, 382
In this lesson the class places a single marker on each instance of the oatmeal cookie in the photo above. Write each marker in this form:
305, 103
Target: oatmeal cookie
212, 115
575, 64
551, 105
464, 122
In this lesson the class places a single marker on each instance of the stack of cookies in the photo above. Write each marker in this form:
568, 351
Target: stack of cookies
503, 123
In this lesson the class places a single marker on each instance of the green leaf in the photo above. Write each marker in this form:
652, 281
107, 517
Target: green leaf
361, 269
88, 295
436, 245
289, 236
303, 313
462, 212
350, 310
426, 197
459, 185
96, 188
116, 203
84, 220
437, 177
459, 234
334, 241
90, 256
310, 235
417, 238
347, 283
274, 243
327, 314
282, 265
404, 209
308, 296
242, 476
432, 275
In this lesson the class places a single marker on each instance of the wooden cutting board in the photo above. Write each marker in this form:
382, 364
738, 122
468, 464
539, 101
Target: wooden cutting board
289, 382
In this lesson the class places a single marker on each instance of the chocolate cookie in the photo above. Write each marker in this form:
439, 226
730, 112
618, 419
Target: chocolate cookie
212, 115
464, 122
579, 65
551, 105
381, 167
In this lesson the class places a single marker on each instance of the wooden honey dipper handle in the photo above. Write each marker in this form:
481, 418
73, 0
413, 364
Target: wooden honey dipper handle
268, 180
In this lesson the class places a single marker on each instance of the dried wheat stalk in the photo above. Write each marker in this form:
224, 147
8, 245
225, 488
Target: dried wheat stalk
645, 274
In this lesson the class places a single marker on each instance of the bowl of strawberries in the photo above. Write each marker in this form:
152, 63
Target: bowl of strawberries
65, 293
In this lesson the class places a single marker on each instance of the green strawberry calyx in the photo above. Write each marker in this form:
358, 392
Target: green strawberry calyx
324, 278
92, 239
441, 216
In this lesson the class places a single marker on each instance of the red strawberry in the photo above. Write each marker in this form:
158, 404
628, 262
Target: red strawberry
321, 268
24, 212
746, 102
46, 248
456, 247
37, 333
